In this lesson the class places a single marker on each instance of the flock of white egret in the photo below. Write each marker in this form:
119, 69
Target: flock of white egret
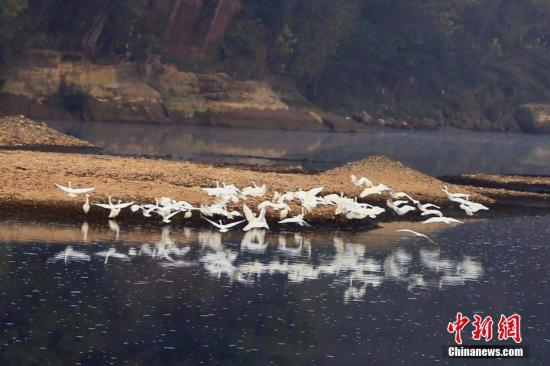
224, 194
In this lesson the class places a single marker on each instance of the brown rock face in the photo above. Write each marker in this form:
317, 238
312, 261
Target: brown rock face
196, 27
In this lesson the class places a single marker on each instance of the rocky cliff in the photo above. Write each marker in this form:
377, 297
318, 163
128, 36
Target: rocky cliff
46, 86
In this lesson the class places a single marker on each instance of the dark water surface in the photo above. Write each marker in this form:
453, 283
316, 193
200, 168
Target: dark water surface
444, 152
186, 297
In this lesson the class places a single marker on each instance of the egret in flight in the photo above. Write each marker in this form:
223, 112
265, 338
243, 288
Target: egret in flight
73, 192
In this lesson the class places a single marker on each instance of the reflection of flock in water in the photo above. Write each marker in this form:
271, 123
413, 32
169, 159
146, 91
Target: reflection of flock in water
349, 264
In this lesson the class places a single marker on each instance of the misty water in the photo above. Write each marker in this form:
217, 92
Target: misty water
443, 152
179, 296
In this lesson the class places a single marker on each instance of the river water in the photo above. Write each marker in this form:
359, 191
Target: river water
178, 296
443, 152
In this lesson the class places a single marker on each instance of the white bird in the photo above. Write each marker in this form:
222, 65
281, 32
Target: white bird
400, 210
453, 196
146, 209
472, 207
309, 199
220, 210
442, 220
427, 206
431, 212
298, 219
167, 218
359, 182
420, 235
226, 190
114, 208
223, 228
381, 188
254, 222
112, 253
282, 207
401, 195
86, 206
73, 192
255, 191
224, 199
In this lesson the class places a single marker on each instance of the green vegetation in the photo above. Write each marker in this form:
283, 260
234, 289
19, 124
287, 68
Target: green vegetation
466, 61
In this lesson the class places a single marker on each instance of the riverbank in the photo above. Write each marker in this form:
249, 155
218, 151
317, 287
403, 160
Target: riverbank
48, 85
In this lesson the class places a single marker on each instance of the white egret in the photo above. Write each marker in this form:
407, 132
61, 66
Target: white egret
442, 220
359, 182
400, 210
298, 219
255, 191
472, 207
282, 207
309, 199
431, 212
86, 206
223, 228
254, 222
453, 196
114, 208
73, 192
380, 188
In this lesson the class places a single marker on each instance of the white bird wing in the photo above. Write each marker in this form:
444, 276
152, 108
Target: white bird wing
332, 199
265, 204
228, 226
248, 214
315, 191
123, 205
428, 206
63, 188
168, 217
105, 205
82, 190
368, 191
213, 223
445, 220
400, 202
288, 221
262, 214
451, 220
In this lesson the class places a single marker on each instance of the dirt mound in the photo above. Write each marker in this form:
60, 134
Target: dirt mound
380, 169
20, 131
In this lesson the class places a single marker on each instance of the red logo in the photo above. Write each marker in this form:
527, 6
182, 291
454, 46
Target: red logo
483, 328
508, 328
457, 326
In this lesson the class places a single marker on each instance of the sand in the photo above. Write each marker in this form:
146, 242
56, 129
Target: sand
18, 131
